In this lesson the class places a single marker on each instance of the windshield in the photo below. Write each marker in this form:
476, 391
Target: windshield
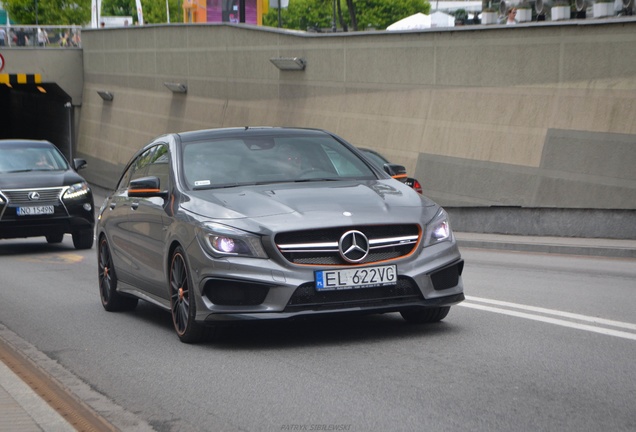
269, 159
24, 158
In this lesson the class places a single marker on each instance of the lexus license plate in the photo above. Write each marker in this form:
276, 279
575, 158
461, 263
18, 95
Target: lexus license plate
35, 210
365, 277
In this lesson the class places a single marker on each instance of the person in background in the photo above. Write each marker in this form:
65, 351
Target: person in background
3, 36
75, 40
43, 38
64, 39
511, 16
21, 37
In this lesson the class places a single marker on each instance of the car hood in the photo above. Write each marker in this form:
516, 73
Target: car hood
279, 207
39, 179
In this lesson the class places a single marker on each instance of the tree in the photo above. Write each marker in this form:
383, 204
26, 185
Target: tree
352, 15
380, 14
302, 14
154, 10
362, 14
119, 8
49, 12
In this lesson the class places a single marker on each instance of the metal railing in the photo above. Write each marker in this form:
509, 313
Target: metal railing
32, 36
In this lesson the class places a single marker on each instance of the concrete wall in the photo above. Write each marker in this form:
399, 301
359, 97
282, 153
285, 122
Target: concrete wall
494, 119
62, 66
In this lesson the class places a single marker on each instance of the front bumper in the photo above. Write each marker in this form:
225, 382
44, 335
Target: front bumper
239, 289
66, 219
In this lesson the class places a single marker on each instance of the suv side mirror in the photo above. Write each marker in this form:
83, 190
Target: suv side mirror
79, 164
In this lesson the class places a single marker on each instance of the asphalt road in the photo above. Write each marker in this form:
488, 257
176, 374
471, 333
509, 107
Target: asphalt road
544, 342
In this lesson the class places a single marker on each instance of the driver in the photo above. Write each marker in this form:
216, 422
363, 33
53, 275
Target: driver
42, 162
290, 161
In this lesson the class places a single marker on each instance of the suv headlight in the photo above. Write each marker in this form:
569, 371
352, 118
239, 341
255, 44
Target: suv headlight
75, 191
222, 240
438, 229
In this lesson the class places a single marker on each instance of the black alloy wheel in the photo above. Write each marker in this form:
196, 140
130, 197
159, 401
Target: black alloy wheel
182, 302
112, 301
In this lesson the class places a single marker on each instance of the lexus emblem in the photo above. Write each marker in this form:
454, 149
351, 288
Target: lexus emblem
34, 196
353, 246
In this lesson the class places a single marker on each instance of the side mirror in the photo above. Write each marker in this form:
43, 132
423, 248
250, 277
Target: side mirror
79, 164
146, 187
396, 171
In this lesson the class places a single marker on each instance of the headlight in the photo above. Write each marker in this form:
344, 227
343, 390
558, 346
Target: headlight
221, 240
438, 229
77, 190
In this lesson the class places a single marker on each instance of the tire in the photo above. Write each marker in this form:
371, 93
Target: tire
55, 238
83, 239
425, 315
182, 302
112, 301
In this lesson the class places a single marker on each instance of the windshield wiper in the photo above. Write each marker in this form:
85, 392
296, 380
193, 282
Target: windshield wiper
316, 179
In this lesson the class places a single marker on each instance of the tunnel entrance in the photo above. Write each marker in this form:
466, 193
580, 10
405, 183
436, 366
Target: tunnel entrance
31, 110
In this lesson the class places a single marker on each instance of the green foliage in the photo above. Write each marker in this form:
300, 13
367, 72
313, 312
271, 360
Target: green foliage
49, 12
379, 14
119, 8
382, 13
154, 10
461, 14
78, 12
302, 14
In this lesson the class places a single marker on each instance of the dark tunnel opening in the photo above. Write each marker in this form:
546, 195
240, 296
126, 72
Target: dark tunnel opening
37, 111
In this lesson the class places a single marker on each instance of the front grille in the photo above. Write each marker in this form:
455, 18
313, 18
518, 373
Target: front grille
321, 246
48, 196
307, 298
14, 198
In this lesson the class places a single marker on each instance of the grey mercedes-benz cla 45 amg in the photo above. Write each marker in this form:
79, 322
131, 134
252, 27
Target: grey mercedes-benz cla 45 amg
226, 225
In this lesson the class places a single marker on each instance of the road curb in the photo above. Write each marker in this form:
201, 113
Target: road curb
611, 248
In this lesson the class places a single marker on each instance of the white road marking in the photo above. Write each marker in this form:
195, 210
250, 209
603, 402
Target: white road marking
555, 321
594, 320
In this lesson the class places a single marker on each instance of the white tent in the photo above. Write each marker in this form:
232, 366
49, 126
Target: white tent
414, 22
442, 19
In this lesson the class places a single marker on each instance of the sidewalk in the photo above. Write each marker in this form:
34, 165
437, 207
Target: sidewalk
37, 394
22, 410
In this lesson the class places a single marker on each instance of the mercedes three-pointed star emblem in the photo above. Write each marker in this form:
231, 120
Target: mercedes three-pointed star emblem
353, 246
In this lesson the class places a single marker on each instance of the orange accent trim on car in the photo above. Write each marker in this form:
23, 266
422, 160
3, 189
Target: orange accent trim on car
144, 190
400, 176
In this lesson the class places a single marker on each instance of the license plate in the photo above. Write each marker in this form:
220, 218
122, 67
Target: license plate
366, 277
33, 211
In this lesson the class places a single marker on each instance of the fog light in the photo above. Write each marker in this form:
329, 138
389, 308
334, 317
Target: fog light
87, 207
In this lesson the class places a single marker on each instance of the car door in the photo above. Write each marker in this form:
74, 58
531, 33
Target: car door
117, 210
148, 225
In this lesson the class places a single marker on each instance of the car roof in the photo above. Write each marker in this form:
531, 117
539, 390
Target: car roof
247, 131
24, 142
